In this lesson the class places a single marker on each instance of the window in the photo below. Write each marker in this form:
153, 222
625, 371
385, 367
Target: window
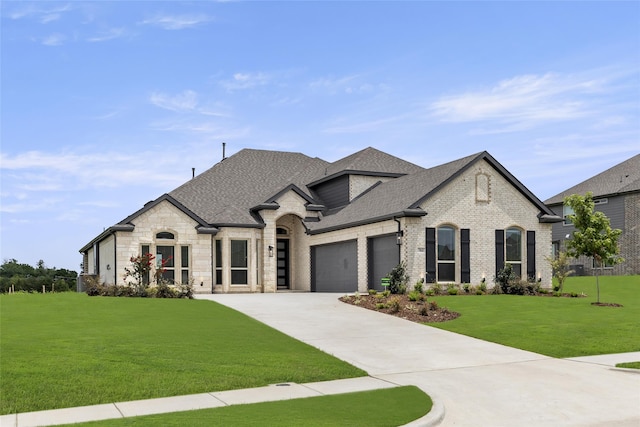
165, 260
145, 251
165, 235
218, 262
566, 211
184, 263
446, 241
597, 264
513, 249
239, 264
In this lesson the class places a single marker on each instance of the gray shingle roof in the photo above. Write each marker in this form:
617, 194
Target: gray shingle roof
621, 178
368, 160
225, 193
391, 198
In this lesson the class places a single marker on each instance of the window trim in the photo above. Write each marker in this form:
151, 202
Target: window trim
506, 248
244, 268
446, 261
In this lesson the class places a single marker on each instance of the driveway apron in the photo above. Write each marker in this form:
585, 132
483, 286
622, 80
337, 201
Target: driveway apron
478, 382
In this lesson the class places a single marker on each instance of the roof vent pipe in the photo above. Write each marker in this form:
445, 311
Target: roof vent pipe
193, 173
224, 145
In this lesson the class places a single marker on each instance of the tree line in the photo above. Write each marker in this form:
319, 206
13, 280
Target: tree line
15, 276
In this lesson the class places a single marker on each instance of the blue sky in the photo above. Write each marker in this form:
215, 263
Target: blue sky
108, 105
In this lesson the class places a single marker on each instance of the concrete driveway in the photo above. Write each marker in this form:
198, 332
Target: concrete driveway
479, 383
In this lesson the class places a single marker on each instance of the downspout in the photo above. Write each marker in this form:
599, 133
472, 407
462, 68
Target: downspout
115, 258
399, 234
213, 267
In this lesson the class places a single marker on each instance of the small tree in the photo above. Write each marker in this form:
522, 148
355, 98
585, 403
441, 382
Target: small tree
139, 271
593, 236
560, 268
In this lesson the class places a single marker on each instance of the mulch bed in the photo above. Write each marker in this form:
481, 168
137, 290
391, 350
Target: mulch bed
427, 311
415, 311
607, 304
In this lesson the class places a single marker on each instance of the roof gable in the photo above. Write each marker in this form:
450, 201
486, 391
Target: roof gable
403, 196
621, 178
370, 162
226, 193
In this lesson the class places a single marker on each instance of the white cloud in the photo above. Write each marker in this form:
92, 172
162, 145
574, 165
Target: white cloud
112, 33
44, 15
347, 84
185, 101
522, 102
176, 22
55, 39
242, 81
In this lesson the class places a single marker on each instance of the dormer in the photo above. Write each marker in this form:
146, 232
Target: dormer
352, 176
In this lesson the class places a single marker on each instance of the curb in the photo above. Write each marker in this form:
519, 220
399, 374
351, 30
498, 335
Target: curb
432, 419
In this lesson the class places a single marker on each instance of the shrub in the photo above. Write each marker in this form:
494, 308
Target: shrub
504, 276
433, 305
380, 297
452, 289
398, 279
467, 288
394, 305
414, 295
418, 287
479, 292
436, 289
372, 292
424, 310
429, 292
164, 290
379, 306
386, 293
483, 286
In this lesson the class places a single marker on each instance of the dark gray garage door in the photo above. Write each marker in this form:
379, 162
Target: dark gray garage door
383, 256
334, 267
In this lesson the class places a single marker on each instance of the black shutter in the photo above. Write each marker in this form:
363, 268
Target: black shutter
499, 250
465, 256
431, 255
531, 255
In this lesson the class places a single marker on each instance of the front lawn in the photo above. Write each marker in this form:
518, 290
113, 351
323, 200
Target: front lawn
63, 350
386, 407
557, 327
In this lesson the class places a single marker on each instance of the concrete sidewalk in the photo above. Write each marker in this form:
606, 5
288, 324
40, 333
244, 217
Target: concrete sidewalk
163, 405
478, 383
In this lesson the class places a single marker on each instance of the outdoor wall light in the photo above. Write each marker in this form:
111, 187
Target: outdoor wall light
399, 235
270, 251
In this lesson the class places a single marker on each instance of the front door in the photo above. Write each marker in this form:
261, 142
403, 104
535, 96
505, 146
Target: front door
282, 254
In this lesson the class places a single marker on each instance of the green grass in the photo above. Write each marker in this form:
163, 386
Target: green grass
629, 365
63, 350
387, 407
557, 327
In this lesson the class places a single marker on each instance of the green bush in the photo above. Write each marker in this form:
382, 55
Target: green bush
414, 295
394, 305
418, 287
372, 292
398, 279
452, 289
380, 306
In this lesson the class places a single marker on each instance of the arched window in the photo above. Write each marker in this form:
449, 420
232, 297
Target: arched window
281, 231
165, 235
513, 249
446, 242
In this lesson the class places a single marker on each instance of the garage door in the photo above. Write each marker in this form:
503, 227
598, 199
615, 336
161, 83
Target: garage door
383, 257
334, 267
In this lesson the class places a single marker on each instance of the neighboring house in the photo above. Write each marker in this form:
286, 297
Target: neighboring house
616, 193
262, 221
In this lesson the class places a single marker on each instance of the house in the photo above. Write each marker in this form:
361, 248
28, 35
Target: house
263, 221
616, 193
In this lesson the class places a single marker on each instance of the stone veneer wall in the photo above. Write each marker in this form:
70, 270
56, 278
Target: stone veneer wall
166, 217
630, 239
